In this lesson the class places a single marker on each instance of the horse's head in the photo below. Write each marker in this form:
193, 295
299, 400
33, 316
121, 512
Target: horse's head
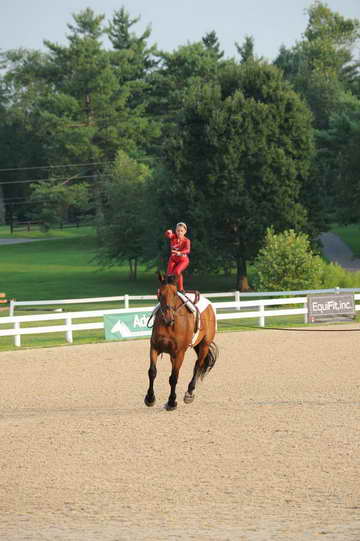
167, 298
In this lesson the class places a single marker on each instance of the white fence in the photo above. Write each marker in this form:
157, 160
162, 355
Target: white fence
238, 309
125, 299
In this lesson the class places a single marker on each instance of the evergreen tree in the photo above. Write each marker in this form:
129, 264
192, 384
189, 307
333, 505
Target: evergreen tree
70, 106
177, 72
87, 113
323, 70
21, 145
212, 44
341, 161
247, 50
133, 57
321, 66
133, 60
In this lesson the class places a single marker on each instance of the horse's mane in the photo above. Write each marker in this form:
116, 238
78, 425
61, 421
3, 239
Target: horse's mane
170, 279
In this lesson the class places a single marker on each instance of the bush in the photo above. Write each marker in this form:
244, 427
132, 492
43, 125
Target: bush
335, 276
286, 262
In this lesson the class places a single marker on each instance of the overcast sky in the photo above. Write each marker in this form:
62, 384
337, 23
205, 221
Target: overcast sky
26, 23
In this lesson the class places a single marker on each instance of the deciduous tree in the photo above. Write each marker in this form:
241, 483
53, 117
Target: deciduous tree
123, 220
239, 156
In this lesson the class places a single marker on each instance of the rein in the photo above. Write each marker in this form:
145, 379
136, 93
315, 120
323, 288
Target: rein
162, 310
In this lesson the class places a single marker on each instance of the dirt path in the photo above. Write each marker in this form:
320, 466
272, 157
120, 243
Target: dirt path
334, 249
269, 450
21, 240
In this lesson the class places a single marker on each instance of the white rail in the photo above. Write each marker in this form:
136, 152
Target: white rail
123, 298
225, 310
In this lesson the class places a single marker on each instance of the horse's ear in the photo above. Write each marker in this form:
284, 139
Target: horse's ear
161, 276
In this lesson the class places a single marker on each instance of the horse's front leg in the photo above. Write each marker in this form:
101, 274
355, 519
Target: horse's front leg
150, 395
176, 362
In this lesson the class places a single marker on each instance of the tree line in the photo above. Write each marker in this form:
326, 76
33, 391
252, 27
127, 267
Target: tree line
134, 139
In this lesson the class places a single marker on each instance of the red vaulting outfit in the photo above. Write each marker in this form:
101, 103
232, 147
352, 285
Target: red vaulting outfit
178, 263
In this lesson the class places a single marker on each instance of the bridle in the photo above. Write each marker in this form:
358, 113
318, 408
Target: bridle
167, 308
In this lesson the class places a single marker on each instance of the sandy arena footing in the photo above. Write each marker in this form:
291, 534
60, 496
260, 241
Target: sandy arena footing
269, 450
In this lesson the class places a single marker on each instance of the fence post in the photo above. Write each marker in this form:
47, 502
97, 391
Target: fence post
306, 313
17, 340
126, 301
69, 334
237, 299
262, 314
12, 307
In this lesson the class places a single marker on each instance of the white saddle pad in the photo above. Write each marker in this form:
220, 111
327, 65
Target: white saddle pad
203, 302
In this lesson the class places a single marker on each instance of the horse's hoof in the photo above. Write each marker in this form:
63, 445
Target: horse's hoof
171, 407
149, 403
188, 398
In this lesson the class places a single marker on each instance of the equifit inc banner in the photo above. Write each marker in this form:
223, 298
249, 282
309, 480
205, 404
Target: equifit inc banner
322, 307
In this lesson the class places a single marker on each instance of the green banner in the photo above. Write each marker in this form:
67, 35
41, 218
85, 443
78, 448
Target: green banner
131, 325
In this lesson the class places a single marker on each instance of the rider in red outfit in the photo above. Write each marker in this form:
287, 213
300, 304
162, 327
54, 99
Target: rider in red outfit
180, 249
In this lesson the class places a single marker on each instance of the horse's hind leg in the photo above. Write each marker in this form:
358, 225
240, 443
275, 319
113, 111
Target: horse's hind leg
190, 395
150, 395
207, 353
201, 354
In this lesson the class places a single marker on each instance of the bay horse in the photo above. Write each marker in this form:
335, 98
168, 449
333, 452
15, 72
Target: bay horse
173, 333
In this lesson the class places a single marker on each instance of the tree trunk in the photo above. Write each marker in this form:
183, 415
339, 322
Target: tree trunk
242, 283
133, 268
227, 269
131, 271
2, 206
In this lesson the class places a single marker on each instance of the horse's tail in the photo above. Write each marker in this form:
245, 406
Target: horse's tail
210, 360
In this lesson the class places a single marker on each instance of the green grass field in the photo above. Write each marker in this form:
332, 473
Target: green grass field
62, 266
36, 233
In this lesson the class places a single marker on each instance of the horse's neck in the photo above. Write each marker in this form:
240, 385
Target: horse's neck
176, 301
